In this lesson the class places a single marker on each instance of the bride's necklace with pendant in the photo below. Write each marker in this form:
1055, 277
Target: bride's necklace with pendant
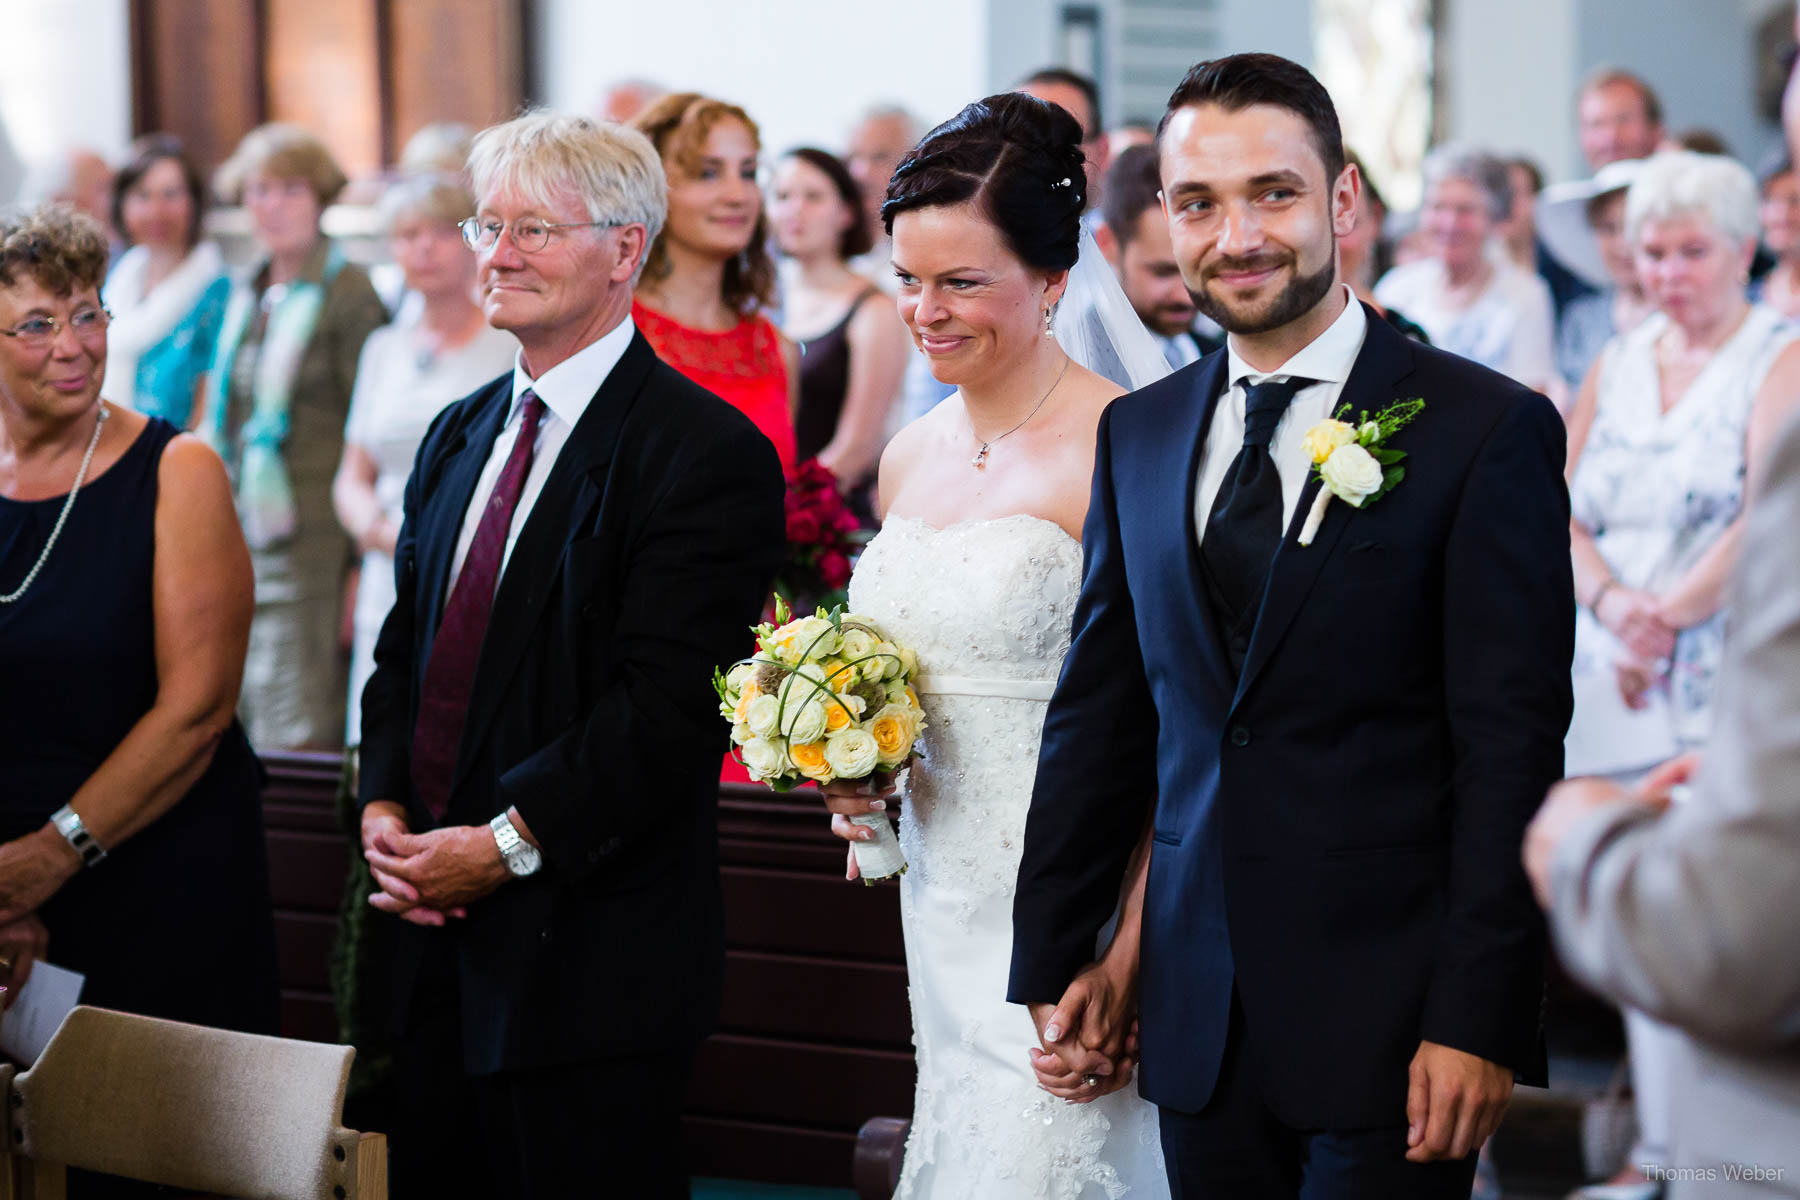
56, 531
979, 462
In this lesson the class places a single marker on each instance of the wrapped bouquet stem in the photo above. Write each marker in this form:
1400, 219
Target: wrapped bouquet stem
825, 698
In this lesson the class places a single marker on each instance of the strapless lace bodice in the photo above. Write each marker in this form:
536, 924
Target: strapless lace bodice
987, 606
983, 599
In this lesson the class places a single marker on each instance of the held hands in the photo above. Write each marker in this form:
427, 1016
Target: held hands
856, 798
426, 878
1089, 1038
1640, 620
1454, 1103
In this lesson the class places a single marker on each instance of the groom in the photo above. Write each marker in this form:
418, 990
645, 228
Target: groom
1336, 746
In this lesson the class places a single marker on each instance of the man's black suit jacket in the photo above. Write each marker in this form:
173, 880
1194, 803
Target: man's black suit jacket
1335, 833
641, 567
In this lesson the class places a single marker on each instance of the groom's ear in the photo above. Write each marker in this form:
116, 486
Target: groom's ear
1345, 195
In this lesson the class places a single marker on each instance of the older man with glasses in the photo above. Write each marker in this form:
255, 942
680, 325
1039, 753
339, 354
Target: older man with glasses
583, 540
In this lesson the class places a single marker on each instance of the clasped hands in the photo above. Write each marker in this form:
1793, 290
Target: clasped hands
1087, 1041
1644, 623
428, 878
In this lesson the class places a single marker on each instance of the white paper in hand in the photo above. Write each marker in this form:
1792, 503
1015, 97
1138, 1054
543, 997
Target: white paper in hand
37, 1012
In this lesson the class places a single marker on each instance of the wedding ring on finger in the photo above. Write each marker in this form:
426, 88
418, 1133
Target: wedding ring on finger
1090, 1080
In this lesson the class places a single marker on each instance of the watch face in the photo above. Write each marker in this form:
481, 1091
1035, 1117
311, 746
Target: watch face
523, 860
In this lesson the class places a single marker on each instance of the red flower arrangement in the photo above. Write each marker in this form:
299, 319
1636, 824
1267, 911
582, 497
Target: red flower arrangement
823, 536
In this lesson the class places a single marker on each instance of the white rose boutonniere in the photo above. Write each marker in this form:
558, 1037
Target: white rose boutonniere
1353, 461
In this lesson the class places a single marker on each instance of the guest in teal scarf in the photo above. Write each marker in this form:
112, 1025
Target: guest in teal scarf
278, 395
167, 292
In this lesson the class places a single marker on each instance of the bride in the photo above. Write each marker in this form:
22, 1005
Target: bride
977, 568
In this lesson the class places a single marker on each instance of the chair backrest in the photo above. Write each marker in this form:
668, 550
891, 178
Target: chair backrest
190, 1107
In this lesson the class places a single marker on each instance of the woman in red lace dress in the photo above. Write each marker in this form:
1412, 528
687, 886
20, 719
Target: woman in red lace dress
709, 276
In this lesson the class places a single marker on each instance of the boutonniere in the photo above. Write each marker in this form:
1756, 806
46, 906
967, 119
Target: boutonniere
1353, 461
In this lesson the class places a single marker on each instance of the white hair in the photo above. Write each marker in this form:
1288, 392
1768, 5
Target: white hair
1484, 170
545, 156
1681, 183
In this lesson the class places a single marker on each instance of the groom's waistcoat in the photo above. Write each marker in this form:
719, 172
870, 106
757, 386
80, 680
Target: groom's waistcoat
1336, 828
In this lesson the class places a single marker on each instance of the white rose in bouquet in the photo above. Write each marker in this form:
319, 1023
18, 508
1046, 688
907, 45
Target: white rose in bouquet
852, 753
764, 758
805, 723
761, 715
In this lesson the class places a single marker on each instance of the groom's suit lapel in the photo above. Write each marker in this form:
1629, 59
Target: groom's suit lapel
1208, 387
1384, 360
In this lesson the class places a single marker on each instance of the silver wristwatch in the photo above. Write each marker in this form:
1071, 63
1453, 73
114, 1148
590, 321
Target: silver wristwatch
69, 825
522, 858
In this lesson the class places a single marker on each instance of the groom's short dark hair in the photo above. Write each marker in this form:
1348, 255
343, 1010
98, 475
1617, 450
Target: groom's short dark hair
1241, 80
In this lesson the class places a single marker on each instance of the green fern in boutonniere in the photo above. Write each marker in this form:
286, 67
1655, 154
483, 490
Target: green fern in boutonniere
1353, 461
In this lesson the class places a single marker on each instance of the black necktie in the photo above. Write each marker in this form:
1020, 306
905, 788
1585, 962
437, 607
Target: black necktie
1244, 528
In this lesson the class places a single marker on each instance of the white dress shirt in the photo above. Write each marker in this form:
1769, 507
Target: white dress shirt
1328, 359
566, 389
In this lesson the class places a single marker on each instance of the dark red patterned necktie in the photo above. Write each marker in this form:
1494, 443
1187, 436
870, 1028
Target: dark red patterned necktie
450, 672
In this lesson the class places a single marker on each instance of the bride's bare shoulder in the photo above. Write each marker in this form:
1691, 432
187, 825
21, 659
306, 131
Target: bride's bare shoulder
917, 442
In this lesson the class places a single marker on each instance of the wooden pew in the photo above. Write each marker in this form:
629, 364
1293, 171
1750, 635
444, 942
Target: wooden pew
815, 1036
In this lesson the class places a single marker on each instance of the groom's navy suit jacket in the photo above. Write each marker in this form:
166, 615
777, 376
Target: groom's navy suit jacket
1336, 832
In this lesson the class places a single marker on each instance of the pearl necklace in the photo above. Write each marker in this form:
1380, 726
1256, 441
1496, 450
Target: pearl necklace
56, 531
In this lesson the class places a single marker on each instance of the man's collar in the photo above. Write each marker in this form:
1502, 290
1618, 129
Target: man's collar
567, 387
1327, 358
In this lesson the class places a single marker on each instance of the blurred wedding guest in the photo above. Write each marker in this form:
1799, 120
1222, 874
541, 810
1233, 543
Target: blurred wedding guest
1358, 249
1583, 224
1701, 141
1135, 240
167, 292
1686, 912
709, 277
277, 398
1470, 301
1518, 232
584, 538
1780, 216
1669, 434
876, 145
12, 168
439, 352
853, 348
625, 100
130, 814
1123, 137
79, 177
440, 148
1617, 115
1080, 96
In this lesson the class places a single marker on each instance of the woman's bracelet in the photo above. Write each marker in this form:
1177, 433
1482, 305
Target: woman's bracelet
69, 825
1599, 594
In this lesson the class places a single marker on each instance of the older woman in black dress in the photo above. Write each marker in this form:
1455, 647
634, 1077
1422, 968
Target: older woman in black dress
130, 832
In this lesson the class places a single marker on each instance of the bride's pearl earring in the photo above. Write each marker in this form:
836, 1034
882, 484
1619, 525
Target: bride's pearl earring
1049, 332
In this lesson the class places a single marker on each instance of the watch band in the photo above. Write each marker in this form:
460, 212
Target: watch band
520, 856
68, 823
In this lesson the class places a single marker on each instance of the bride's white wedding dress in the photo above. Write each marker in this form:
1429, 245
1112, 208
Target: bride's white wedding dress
987, 605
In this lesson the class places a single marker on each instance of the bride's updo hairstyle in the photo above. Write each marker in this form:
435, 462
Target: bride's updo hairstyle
1018, 159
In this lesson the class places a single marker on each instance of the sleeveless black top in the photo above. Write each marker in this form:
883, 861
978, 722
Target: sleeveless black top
824, 378
177, 921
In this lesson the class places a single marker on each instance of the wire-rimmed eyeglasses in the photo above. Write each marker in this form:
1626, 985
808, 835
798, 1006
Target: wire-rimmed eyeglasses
529, 234
37, 332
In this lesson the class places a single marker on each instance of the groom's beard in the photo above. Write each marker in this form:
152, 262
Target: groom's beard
1293, 301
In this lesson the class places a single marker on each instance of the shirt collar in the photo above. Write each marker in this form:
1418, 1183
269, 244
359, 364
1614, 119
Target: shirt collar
567, 388
1327, 358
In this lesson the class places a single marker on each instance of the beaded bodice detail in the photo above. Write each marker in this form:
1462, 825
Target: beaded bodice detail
988, 607
981, 600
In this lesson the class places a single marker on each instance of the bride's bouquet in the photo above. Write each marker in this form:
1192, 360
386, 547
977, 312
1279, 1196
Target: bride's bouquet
825, 697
